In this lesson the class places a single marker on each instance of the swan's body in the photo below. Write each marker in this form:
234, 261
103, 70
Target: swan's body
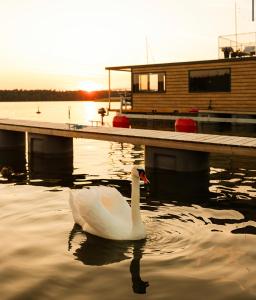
104, 212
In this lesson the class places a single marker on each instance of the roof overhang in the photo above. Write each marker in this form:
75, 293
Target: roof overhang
224, 60
122, 68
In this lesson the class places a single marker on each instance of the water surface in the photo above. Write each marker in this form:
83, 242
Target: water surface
196, 248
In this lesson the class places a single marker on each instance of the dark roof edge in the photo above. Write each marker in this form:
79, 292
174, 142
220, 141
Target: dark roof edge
129, 68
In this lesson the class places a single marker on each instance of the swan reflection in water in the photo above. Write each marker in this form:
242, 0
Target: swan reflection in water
96, 251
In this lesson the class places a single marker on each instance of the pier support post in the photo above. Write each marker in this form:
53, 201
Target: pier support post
12, 150
177, 174
50, 156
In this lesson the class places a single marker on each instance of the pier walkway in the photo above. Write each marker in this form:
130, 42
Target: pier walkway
230, 145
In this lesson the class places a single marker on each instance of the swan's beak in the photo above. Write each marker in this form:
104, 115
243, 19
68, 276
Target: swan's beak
144, 178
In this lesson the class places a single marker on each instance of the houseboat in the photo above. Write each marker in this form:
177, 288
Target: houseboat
224, 85
220, 90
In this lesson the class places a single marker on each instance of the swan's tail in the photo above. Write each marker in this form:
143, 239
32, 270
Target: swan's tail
75, 212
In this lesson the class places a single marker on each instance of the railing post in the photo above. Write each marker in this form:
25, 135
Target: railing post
109, 90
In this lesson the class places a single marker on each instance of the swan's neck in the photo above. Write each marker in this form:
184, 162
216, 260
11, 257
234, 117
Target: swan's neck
135, 202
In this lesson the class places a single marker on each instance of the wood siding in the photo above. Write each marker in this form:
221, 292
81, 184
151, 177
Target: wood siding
177, 97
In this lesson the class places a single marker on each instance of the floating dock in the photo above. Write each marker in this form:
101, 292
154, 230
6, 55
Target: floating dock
229, 145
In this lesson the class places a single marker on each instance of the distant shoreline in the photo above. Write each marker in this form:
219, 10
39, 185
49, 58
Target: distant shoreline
115, 99
52, 95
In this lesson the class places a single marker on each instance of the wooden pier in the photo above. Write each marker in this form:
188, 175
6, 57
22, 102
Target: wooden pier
210, 143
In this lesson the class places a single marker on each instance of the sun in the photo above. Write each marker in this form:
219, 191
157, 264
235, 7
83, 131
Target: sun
90, 86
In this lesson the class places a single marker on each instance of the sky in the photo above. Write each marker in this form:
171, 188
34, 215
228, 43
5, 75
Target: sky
66, 44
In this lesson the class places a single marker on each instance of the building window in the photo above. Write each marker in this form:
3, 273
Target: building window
149, 83
214, 80
143, 82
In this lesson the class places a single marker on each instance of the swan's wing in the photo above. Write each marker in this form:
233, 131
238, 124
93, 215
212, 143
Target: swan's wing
114, 202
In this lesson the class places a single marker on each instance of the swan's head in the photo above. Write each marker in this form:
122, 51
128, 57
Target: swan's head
140, 174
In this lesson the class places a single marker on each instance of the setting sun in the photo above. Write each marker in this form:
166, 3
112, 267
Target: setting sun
90, 86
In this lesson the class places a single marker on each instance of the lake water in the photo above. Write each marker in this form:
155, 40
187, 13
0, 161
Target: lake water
196, 248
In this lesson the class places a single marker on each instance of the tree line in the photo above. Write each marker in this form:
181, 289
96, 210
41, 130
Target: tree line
53, 95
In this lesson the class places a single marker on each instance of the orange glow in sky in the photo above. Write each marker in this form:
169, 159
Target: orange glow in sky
58, 44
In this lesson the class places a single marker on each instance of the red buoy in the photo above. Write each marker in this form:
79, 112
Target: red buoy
185, 125
121, 121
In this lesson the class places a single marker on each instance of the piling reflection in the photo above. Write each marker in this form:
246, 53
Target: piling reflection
15, 159
50, 166
180, 186
96, 251
15, 168
49, 156
13, 164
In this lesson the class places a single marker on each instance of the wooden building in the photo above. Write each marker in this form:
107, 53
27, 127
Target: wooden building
226, 85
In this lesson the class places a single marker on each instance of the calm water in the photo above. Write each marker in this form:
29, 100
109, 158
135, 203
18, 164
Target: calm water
196, 248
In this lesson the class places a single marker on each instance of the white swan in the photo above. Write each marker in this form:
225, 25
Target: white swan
104, 212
